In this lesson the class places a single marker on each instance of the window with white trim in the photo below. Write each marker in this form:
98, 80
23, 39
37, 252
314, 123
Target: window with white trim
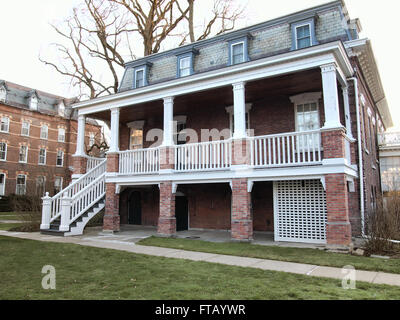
21, 185
237, 53
91, 139
42, 156
44, 132
60, 158
180, 135
23, 154
3, 151
303, 36
232, 119
40, 185
185, 66
139, 78
2, 184
25, 128
58, 185
5, 124
61, 135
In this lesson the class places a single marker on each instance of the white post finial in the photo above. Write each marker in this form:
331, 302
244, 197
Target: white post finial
46, 212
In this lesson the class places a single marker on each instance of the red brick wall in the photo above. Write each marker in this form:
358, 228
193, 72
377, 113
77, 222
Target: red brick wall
167, 220
34, 143
263, 206
242, 220
111, 221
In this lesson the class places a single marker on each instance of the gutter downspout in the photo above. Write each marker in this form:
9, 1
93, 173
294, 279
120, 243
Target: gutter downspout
360, 155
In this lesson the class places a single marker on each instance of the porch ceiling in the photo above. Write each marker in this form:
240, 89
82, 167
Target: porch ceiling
287, 85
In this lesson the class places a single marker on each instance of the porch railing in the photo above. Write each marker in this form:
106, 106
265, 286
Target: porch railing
143, 161
206, 156
93, 162
288, 149
389, 139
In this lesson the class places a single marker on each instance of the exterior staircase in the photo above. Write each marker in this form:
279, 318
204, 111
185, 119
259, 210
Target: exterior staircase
68, 212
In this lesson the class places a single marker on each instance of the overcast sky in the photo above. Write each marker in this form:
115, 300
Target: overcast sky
25, 32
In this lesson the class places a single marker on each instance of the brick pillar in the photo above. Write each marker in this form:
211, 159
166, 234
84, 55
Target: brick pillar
167, 158
337, 196
338, 228
167, 220
111, 221
80, 164
240, 152
242, 219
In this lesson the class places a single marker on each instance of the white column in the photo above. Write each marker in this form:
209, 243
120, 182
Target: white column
345, 90
331, 99
80, 142
46, 212
239, 110
114, 145
168, 122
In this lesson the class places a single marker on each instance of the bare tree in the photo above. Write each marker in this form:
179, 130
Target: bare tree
223, 18
96, 29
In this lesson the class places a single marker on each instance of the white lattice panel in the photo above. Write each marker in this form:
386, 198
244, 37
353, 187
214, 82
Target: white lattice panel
300, 211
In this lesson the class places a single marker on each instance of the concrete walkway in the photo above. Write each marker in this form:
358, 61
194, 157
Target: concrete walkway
129, 245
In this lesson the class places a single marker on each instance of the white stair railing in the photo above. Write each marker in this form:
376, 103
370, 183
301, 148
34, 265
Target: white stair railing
288, 149
53, 207
93, 162
143, 161
206, 156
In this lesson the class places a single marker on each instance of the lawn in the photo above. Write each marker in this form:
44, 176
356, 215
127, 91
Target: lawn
95, 273
8, 226
301, 255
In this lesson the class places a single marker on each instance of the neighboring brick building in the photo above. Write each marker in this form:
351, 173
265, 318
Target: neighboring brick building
264, 129
37, 140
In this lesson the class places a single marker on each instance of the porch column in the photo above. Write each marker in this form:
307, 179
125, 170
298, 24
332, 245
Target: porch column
240, 149
345, 90
114, 145
241, 216
167, 151
331, 99
79, 158
338, 229
111, 221
167, 219
239, 110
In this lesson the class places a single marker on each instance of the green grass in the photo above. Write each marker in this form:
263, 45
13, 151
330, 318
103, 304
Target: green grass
95, 273
301, 255
8, 226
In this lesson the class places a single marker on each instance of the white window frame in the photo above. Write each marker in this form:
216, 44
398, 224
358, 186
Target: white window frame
3, 186
7, 123
61, 182
296, 34
135, 125
62, 159
5, 157
91, 139
44, 184
189, 69
61, 137
42, 131
243, 52
26, 154
144, 75
230, 111
45, 157
16, 187
28, 128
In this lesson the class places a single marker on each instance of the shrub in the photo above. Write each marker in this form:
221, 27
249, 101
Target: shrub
29, 210
383, 225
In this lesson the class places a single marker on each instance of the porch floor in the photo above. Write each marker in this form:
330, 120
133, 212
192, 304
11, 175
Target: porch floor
133, 234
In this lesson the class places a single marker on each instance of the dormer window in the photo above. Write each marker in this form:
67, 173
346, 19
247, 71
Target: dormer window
3, 93
184, 66
61, 109
33, 102
139, 78
140, 75
238, 50
303, 34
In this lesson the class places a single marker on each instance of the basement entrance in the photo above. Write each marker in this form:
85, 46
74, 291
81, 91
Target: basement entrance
135, 209
182, 213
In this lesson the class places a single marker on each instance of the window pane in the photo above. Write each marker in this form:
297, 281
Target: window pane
139, 78
303, 43
237, 53
136, 140
303, 32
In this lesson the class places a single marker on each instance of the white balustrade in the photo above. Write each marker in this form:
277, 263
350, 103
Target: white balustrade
288, 149
389, 139
206, 156
93, 163
74, 188
143, 161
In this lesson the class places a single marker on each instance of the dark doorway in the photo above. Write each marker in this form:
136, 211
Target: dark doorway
135, 209
181, 213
